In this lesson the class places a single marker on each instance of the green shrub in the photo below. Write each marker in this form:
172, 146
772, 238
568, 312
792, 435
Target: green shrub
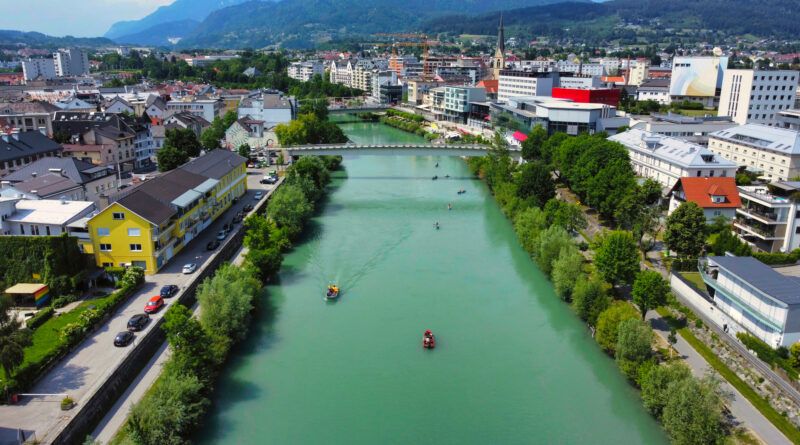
55, 258
72, 332
40, 317
64, 300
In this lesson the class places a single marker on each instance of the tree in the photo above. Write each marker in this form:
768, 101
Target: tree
617, 257
568, 266
608, 323
13, 340
170, 157
309, 129
685, 233
244, 150
529, 224
289, 208
650, 191
230, 292
265, 263
693, 412
189, 343
311, 167
649, 291
634, 338
655, 384
551, 243
589, 298
532, 147
672, 338
565, 214
535, 183
317, 107
184, 140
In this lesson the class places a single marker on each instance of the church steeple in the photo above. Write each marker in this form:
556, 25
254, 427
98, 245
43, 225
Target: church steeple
499, 61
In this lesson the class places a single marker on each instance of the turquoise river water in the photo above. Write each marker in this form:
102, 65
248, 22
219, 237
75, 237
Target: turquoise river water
512, 365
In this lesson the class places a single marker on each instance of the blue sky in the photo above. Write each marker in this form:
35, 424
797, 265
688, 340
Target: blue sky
81, 18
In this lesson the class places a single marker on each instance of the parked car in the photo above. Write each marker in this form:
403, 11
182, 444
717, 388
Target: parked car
189, 268
154, 304
238, 218
138, 322
123, 338
248, 208
212, 245
268, 180
170, 290
258, 196
222, 233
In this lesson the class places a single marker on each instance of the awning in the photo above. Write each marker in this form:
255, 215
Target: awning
207, 185
187, 198
520, 136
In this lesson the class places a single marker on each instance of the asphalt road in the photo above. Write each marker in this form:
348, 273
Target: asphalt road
96, 357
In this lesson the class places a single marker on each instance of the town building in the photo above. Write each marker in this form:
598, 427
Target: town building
773, 152
654, 89
341, 72
271, 107
385, 87
187, 120
754, 298
666, 159
147, 225
114, 138
523, 84
688, 128
558, 115
718, 197
206, 108
768, 219
119, 105
304, 71
456, 104
573, 81
242, 132
499, 59
202, 61
68, 178
697, 79
757, 96
27, 116
75, 104
71, 62
44, 217
608, 96
20, 149
38, 69
789, 119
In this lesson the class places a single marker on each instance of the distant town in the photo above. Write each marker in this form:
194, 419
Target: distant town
128, 172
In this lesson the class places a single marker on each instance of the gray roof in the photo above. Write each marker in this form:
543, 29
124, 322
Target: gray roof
26, 143
142, 204
46, 185
76, 170
215, 164
761, 277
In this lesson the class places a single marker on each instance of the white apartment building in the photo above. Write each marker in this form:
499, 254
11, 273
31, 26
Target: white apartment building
768, 218
208, 109
341, 72
271, 108
304, 71
772, 151
584, 69
523, 84
757, 96
456, 104
754, 298
202, 61
579, 82
45, 217
666, 159
38, 68
71, 62
656, 90
688, 128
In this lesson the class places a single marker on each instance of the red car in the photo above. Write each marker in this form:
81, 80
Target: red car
154, 305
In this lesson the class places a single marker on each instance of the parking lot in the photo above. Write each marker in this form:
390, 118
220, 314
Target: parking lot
89, 364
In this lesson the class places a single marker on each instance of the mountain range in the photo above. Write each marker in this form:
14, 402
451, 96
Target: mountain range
37, 39
291, 23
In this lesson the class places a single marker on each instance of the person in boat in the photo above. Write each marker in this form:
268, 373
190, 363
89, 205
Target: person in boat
449, 206
436, 224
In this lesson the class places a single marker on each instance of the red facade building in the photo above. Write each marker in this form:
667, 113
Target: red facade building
607, 96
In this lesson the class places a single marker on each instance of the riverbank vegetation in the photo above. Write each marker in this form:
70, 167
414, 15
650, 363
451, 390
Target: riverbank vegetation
598, 172
176, 403
410, 122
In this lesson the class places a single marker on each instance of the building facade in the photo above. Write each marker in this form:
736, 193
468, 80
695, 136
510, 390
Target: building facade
44, 69
304, 71
768, 218
522, 84
697, 79
718, 197
71, 62
757, 96
773, 152
688, 128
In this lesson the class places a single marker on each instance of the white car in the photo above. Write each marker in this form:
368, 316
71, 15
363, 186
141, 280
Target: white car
221, 235
189, 268
258, 196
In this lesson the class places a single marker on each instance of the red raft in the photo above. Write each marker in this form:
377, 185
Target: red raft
428, 340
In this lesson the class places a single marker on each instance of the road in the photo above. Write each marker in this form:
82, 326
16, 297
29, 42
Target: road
94, 359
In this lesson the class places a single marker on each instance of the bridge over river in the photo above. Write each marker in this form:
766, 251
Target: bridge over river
413, 149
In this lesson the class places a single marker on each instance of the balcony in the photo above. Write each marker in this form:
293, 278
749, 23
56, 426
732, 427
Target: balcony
763, 214
753, 227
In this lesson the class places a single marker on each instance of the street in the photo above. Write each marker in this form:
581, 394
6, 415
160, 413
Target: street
94, 359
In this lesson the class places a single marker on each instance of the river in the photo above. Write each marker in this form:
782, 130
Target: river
512, 365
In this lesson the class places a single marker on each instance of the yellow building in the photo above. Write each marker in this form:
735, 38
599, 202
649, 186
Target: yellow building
149, 224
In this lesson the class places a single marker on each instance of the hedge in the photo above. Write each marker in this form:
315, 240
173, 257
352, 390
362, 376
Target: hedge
766, 354
42, 316
56, 258
29, 372
778, 257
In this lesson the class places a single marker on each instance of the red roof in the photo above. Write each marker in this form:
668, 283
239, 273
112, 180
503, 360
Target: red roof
520, 136
700, 191
491, 86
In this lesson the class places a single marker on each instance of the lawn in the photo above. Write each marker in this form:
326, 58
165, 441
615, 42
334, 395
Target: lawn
695, 279
761, 405
696, 113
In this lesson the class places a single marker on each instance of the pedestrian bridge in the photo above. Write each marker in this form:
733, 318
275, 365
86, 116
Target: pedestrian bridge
469, 150
357, 109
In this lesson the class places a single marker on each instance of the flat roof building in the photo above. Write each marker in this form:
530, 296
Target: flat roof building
773, 152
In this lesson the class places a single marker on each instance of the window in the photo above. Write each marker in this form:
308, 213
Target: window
47, 230
698, 173
105, 247
136, 247
34, 230
108, 264
118, 215
134, 232
103, 231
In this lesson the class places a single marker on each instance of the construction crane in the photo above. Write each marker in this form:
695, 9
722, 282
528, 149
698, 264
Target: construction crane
421, 41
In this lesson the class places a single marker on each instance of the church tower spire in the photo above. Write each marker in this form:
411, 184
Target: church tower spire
499, 61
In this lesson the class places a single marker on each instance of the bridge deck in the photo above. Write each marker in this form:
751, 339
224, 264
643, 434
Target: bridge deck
396, 149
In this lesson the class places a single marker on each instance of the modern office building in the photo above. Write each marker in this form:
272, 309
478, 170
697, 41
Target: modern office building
607, 96
523, 84
789, 119
688, 128
754, 297
456, 104
757, 96
666, 159
771, 151
697, 79
768, 218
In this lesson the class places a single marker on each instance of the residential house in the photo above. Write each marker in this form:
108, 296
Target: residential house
754, 298
149, 224
187, 120
98, 133
716, 196
271, 107
242, 132
666, 159
156, 108
20, 149
44, 217
304, 71
655, 90
204, 107
27, 116
119, 105
67, 177
769, 219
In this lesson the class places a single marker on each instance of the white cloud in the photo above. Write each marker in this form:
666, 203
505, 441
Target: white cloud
83, 18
